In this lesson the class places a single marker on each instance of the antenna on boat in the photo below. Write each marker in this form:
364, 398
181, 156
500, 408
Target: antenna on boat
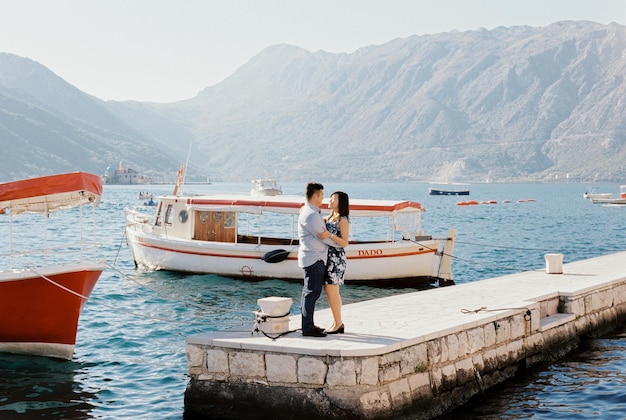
180, 179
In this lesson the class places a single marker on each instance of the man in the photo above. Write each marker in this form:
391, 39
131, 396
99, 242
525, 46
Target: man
312, 255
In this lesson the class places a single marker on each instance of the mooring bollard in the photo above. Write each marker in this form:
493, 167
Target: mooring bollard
274, 315
554, 263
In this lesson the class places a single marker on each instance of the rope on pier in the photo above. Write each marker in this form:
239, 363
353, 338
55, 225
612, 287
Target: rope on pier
261, 318
527, 315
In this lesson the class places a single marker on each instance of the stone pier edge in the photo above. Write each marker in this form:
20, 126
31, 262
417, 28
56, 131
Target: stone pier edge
428, 377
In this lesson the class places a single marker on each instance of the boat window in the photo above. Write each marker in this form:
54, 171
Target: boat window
168, 215
408, 223
183, 216
231, 219
157, 219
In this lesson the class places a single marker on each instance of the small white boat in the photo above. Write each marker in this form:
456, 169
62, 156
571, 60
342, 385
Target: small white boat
256, 238
265, 187
46, 280
612, 201
448, 188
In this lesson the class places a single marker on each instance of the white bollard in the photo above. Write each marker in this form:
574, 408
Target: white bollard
275, 311
554, 263
275, 306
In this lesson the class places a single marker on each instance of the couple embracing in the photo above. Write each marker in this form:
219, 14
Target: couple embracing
321, 254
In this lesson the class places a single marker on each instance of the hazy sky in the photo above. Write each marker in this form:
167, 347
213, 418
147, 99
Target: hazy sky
167, 50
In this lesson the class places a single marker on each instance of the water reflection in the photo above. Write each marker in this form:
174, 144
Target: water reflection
41, 387
588, 383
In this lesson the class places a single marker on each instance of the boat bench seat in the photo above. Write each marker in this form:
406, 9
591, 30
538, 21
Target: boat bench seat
247, 239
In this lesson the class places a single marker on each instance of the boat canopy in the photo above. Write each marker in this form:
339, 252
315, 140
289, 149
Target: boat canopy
50, 193
292, 205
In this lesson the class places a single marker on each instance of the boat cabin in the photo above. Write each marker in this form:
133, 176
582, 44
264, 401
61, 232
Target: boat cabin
273, 220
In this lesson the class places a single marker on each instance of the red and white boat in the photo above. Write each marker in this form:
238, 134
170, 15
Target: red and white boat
256, 238
46, 279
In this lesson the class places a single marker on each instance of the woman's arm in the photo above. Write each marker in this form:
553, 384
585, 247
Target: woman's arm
344, 228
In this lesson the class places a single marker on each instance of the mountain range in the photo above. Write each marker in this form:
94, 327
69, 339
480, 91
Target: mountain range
509, 104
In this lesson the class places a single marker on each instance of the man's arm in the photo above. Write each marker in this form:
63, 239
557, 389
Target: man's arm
315, 225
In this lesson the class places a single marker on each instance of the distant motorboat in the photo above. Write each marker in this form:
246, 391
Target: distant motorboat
448, 188
597, 195
612, 201
265, 186
593, 194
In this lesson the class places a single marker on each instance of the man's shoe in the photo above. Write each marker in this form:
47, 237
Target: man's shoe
313, 333
316, 328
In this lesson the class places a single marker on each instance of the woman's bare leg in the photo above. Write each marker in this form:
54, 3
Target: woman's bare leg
334, 300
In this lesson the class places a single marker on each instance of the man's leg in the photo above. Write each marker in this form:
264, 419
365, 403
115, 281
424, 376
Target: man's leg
313, 284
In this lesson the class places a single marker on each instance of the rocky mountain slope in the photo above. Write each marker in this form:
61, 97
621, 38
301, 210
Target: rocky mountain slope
47, 126
507, 104
531, 103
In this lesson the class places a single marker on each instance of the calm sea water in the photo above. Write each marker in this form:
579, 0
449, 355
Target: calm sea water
130, 355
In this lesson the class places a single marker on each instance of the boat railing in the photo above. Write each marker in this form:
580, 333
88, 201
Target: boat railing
134, 217
80, 251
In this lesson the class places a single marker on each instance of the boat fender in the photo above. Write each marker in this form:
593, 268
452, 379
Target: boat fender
275, 256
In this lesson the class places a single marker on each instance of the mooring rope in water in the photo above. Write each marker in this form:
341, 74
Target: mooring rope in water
260, 318
193, 305
137, 314
98, 302
491, 266
119, 247
501, 246
60, 286
168, 297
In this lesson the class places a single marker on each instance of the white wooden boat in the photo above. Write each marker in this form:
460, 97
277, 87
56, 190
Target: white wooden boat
265, 187
45, 280
256, 238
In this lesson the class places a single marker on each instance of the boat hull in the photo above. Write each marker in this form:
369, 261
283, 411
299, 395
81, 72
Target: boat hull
268, 192
597, 195
613, 201
401, 262
39, 316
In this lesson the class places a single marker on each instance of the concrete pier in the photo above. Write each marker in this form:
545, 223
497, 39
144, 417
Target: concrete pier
425, 352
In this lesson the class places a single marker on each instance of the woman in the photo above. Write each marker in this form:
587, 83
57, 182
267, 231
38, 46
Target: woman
338, 226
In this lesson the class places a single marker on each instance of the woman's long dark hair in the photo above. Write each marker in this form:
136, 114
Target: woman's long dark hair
343, 208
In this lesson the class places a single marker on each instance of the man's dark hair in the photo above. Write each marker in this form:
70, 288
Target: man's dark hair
312, 188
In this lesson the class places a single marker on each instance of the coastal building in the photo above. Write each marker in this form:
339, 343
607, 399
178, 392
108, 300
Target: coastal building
124, 176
